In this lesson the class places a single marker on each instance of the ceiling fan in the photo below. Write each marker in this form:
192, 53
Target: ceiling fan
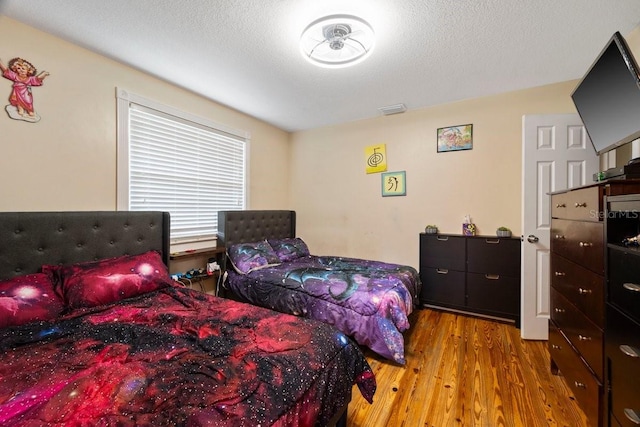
337, 41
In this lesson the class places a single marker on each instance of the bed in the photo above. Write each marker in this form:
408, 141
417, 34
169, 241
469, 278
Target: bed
93, 332
269, 266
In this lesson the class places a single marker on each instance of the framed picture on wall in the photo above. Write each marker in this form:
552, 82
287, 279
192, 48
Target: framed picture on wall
394, 184
455, 138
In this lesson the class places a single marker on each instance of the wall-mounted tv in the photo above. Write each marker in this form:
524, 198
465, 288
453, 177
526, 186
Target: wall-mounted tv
608, 97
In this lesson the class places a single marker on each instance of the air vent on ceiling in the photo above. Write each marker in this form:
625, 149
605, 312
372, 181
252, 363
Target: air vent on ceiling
393, 109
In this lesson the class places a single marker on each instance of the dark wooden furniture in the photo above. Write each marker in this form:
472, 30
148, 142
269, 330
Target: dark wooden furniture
577, 294
622, 335
471, 274
198, 259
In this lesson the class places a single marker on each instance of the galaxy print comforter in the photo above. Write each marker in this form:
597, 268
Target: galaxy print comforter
367, 300
177, 357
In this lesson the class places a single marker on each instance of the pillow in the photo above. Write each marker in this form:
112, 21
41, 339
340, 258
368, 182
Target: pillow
109, 280
290, 248
247, 257
28, 298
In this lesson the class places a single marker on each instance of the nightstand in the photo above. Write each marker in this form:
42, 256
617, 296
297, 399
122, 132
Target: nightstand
184, 261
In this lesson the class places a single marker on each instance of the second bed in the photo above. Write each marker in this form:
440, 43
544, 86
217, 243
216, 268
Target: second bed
271, 267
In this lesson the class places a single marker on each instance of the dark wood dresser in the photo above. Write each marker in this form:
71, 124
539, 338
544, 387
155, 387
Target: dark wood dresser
471, 274
622, 333
577, 294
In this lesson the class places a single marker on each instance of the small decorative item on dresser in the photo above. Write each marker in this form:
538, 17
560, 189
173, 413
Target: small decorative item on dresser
630, 241
468, 228
503, 232
431, 229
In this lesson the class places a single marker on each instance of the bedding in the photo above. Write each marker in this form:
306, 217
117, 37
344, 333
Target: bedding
25, 299
150, 351
108, 280
368, 300
176, 357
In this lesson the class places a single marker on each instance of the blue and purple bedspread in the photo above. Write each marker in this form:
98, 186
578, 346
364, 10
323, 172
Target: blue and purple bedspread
367, 300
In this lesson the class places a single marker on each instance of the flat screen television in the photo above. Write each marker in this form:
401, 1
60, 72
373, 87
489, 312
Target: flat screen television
608, 97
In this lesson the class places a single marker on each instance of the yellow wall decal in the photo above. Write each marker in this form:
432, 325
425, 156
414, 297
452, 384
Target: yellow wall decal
376, 157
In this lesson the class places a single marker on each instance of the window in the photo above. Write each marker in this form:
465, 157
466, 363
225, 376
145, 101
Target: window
172, 161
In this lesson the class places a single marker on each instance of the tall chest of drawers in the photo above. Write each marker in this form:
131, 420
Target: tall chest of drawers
577, 304
622, 313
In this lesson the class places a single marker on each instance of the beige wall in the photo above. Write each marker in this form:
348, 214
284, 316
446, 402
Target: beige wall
67, 161
340, 207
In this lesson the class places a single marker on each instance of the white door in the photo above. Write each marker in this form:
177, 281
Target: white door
556, 155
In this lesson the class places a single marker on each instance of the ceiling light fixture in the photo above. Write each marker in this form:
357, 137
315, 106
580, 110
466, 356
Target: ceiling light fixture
337, 41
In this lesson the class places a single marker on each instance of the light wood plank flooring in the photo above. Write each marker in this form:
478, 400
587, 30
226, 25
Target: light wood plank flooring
466, 371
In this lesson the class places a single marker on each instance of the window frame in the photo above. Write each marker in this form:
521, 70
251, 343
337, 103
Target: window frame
124, 100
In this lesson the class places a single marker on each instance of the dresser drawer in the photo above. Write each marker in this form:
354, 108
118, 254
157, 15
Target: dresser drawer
584, 288
442, 251
579, 241
587, 389
585, 336
442, 287
497, 294
624, 282
493, 256
613, 422
623, 355
583, 204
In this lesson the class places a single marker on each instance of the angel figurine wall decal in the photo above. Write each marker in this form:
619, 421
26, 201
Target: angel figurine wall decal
24, 77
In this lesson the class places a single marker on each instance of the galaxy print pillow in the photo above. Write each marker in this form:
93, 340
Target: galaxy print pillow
290, 248
109, 280
247, 257
28, 298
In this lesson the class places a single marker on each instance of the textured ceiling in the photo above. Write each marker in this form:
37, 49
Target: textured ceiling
245, 54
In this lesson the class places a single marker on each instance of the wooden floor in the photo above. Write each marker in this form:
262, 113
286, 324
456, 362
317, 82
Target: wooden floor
466, 371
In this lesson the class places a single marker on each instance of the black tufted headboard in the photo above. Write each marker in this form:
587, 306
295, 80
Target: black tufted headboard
252, 226
30, 239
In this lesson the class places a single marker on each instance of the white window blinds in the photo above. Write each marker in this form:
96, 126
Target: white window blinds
185, 167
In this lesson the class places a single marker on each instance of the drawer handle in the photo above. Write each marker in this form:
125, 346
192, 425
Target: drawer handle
492, 241
442, 238
583, 338
556, 347
561, 205
631, 287
585, 244
584, 291
560, 274
581, 205
492, 276
632, 415
629, 351
442, 271
579, 384
559, 236
558, 310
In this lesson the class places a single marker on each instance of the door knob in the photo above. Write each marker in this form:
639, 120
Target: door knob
532, 238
